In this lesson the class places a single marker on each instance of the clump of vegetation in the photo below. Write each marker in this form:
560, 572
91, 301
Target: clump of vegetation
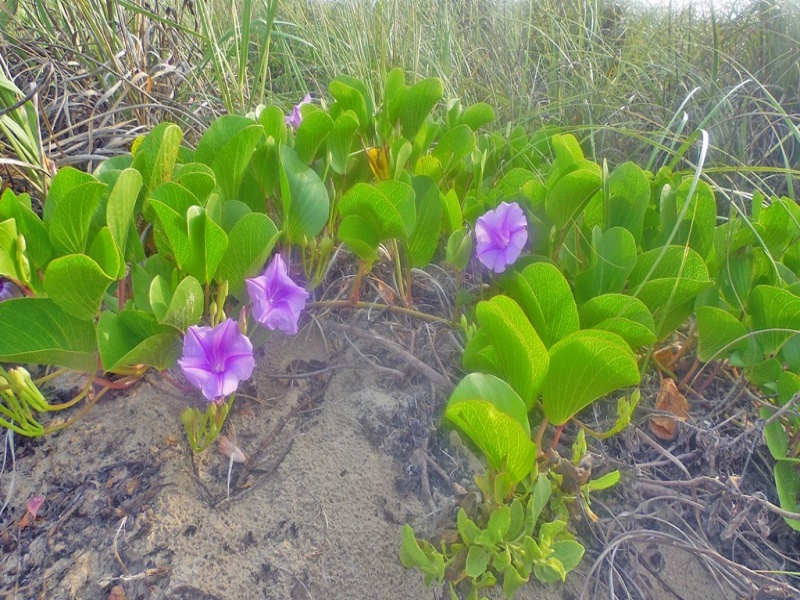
590, 262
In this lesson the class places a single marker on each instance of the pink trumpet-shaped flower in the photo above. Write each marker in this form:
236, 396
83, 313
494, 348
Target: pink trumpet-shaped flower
294, 119
500, 234
277, 300
216, 359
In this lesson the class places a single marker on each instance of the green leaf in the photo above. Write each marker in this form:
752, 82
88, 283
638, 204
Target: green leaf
718, 333
197, 178
624, 315
696, 226
305, 199
227, 147
613, 260
628, 199
424, 239
453, 146
570, 194
480, 355
585, 366
176, 236
774, 310
429, 561
155, 156
499, 436
466, 527
340, 140
477, 115
313, 130
37, 330
273, 121
417, 103
667, 280
545, 296
482, 386
522, 356
388, 206
66, 180
393, 95
512, 581
787, 482
120, 207
349, 98
181, 308
361, 235
477, 561
72, 216
105, 253
569, 553
207, 242
76, 283
135, 337
250, 243
542, 490
39, 250
603, 483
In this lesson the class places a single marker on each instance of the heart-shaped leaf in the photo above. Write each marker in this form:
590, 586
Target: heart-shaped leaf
424, 239
417, 103
585, 366
305, 199
76, 283
72, 217
120, 207
522, 356
718, 333
250, 243
37, 330
570, 194
340, 140
624, 315
227, 147
628, 199
180, 308
774, 311
361, 235
545, 296
155, 156
499, 436
667, 280
313, 130
135, 337
482, 386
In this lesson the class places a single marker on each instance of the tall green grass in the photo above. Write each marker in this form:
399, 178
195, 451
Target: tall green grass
626, 78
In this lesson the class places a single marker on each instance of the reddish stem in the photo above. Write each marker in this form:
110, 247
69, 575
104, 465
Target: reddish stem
556, 437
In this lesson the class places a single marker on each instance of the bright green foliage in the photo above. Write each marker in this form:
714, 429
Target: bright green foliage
585, 366
493, 415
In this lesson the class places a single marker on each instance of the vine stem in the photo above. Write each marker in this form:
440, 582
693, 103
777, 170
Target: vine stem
378, 306
540, 435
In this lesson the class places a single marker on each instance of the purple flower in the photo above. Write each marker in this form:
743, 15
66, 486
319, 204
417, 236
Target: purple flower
501, 233
277, 300
8, 290
216, 359
296, 117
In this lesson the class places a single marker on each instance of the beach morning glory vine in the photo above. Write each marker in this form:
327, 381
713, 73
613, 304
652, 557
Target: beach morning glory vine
277, 300
501, 234
216, 359
294, 119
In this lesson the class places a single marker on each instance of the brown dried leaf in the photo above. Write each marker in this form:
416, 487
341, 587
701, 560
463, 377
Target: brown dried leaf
117, 593
669, 400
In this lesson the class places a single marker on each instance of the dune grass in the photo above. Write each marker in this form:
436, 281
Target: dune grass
632, 82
